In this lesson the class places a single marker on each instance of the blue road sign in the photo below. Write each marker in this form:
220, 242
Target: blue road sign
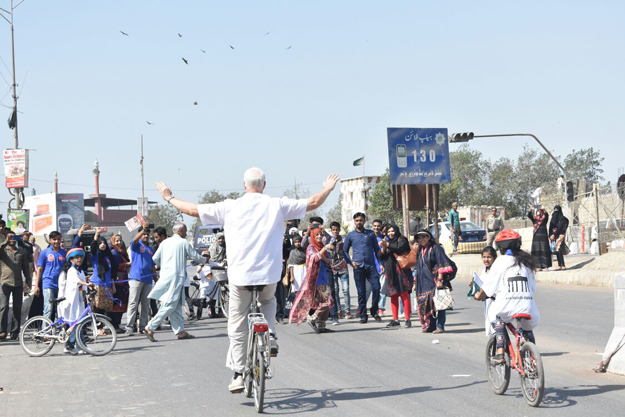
418, 156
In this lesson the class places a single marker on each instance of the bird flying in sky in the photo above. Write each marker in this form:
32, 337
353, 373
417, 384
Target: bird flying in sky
203, 50
124, 33
290, 46
149, 123
231, 47
179, 35
267, 33
185, 61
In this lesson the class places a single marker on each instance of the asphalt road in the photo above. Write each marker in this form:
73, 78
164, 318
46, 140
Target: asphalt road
360, 370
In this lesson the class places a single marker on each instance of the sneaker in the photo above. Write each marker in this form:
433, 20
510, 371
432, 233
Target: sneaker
426, 330
439, 330
392, 324
408, 324
363, 320
274, 345
77, 351
335, 322
349, 316
377, 318
236, 385
129, 332
381, 312
68, 351
326, 330
313, 324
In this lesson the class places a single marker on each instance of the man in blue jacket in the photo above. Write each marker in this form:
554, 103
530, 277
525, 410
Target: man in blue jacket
364, 247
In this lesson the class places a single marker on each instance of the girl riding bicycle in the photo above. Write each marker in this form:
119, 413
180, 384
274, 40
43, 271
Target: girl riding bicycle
71, 280
511, 280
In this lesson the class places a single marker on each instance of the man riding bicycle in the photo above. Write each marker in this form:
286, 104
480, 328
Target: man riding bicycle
254, 226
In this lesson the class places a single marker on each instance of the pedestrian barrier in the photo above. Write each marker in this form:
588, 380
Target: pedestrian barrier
614, 354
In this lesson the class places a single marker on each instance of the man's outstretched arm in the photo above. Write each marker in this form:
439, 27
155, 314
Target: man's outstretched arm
184, 206
318, 199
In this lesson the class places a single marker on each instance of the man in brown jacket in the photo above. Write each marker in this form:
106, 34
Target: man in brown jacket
13, 263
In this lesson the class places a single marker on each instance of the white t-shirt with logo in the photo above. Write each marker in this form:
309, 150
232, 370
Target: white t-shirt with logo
254, 230
513, 287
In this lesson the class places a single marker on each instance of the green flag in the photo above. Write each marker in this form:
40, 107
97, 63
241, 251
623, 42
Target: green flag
359, 161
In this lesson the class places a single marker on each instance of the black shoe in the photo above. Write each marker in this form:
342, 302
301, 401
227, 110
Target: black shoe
326, 330
274, 345
377, 317
408, 324
313, 325
363, 320
393, 324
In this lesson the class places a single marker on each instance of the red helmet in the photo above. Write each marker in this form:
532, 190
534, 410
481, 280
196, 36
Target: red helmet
508, 239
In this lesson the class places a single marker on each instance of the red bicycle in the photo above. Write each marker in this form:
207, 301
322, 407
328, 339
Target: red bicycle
522, 356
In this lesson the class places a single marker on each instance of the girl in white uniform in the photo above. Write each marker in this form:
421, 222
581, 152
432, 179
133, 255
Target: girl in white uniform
511, 280
71, 282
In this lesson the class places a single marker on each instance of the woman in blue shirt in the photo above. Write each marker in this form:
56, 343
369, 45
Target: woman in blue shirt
314, 299
103, 264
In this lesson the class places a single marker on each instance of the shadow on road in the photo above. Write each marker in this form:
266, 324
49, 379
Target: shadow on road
580, 265
295, 401
543, 354
565, 396
461, 331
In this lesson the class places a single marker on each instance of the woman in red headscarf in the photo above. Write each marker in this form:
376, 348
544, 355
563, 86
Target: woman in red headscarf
314, 299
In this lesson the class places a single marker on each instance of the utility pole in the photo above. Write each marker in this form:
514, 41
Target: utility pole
143, 202
19, 192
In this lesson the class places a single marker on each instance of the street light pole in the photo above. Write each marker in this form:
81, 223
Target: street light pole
526, 134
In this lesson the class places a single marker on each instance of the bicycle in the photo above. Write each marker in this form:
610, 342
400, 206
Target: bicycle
259, 352
524, 357
220, 292
94, 332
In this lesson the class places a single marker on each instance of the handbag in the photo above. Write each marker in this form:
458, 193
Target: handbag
443, 299
407, 260
103, 300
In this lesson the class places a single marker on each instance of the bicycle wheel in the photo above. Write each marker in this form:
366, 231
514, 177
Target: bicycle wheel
35, 336
247, 382
96, 336
533, 383
258, 380
498, 375
224, 300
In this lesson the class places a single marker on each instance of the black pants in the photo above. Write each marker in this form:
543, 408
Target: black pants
116, 318
5, 294
560, 258
280, 300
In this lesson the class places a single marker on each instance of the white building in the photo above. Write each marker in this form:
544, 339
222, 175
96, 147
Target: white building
355, 195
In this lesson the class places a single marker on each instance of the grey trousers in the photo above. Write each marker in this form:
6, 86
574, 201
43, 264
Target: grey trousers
138, 294
490, 237
240, 300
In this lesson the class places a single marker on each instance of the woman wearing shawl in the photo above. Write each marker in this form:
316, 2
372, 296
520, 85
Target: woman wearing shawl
541, 252
103, 265
314, 298
297, 259
432, 265
398, 282
218, 249
557, 232
120, 256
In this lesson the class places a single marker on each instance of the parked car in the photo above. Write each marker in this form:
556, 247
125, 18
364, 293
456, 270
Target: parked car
472, 237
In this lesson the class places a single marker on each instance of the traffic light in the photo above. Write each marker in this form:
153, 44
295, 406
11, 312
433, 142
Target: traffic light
461, 137
570, 195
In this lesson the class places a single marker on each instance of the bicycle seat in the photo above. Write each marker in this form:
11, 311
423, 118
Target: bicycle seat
56, 300
258, 288
522, 316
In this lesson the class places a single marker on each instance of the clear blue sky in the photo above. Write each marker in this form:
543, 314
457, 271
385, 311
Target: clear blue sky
554, 69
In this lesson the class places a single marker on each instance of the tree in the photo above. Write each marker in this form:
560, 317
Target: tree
214, 196
163, 215
533, 170
584, 164
469, 171
381, 202
334, 214
501, 186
